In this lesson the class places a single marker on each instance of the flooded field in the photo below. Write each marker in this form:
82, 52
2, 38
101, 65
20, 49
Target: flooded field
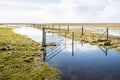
112, 31
78, 61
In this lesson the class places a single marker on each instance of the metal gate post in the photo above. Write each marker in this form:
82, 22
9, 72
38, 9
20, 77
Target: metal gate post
43, 38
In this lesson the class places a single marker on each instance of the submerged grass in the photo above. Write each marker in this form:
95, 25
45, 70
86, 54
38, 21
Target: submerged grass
18, 59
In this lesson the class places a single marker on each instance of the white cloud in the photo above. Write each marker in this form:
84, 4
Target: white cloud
65, 11
110, 12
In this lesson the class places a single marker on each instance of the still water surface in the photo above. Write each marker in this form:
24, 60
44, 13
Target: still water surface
81, 61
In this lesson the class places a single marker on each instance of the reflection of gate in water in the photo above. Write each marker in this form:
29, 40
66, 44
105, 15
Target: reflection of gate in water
104, 51
54, 43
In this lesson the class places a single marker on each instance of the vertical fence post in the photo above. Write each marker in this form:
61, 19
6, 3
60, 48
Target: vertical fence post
44, 55
72, 43
107, 33
82, 31
72, 37
68, 28
43, 38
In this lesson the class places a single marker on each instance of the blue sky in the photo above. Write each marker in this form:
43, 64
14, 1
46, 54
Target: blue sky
60, 11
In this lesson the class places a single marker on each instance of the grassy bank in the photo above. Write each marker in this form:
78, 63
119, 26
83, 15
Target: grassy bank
18, 59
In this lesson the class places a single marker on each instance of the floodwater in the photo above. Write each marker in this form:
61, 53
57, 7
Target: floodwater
78, 61
93, 29
114, 32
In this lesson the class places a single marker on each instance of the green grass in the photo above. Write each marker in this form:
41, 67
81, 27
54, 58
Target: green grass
18, 58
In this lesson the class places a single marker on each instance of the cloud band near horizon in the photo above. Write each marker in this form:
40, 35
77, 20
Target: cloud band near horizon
60, 11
